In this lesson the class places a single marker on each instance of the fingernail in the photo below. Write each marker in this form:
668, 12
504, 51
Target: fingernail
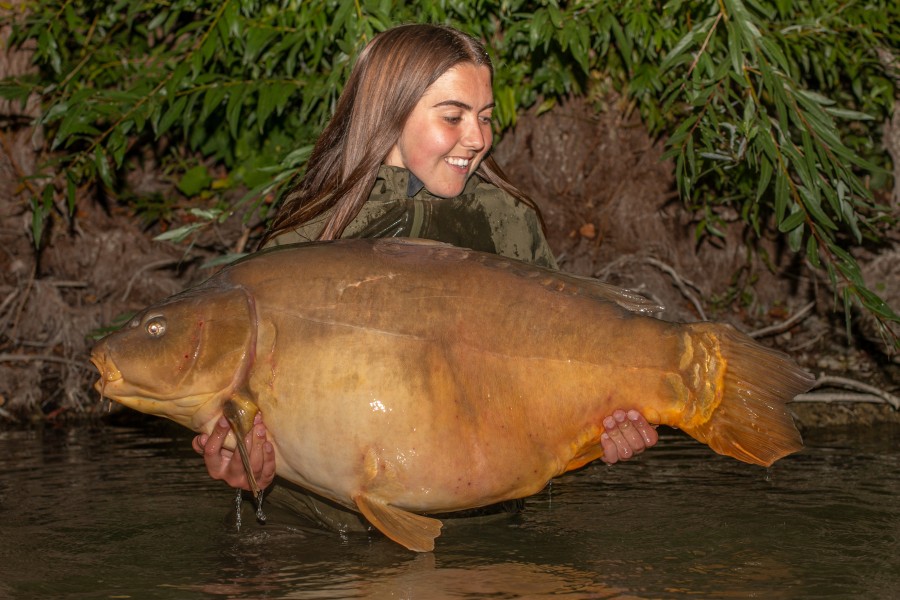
223, 422
609, 422
634, 415
620, 416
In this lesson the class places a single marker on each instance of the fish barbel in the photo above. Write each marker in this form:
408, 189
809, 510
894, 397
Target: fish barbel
402, 377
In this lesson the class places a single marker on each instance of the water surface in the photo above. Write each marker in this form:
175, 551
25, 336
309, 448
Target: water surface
116, 512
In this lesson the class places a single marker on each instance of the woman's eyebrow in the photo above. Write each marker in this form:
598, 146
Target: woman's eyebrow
461, 105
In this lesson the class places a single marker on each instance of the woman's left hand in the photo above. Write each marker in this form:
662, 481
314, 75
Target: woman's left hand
226, 465
627, 435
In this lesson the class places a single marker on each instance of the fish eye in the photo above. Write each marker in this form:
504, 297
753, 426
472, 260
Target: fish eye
156, 326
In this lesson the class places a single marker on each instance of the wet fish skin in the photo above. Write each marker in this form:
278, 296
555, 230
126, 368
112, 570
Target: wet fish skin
403, 377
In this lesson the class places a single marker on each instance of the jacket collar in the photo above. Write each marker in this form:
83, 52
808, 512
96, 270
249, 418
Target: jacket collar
398, 178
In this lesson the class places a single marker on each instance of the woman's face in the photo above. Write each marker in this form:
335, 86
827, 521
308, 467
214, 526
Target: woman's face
449, 130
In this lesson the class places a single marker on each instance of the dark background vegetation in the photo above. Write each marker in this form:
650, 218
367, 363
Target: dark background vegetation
734, 161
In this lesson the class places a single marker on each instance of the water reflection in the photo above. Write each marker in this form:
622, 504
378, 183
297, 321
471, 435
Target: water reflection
116, 512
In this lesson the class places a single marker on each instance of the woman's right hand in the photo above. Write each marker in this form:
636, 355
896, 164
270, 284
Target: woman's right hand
226, 465
626, 436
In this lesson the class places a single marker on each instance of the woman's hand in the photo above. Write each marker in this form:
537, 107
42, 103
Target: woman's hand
226, 465
627, 435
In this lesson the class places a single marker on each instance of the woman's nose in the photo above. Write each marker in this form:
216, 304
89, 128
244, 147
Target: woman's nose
476, 135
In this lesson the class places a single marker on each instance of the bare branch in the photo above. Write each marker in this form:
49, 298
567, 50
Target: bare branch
148, 267
45, 358
784, 325
865, 392
681, 283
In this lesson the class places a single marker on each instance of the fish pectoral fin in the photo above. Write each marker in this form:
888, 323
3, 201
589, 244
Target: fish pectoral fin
239, 411
416, 532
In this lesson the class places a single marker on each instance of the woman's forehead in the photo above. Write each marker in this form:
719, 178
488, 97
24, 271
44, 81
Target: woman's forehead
465, 83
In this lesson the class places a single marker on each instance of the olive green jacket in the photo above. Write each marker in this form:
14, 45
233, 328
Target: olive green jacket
483, 217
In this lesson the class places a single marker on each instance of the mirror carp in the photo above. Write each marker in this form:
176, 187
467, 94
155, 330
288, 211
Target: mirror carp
404, 377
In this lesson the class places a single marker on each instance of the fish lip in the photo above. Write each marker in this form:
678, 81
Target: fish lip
109, 373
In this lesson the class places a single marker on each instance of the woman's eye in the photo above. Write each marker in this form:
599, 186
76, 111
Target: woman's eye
486, 120
453, 120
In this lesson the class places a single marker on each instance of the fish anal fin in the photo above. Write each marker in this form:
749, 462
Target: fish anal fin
415, 532
585, 448
584, 458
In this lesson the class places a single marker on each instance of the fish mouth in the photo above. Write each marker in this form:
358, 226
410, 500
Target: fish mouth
109, 373
108, 370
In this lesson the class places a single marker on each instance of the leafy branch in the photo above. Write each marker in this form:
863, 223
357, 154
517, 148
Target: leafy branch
808, 176
769, 108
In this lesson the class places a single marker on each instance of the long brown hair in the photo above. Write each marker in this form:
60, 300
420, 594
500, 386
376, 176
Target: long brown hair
390, 76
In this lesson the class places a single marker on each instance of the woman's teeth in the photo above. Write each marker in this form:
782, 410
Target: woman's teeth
458, 162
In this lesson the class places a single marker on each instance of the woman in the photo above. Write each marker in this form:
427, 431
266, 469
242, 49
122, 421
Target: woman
406, 154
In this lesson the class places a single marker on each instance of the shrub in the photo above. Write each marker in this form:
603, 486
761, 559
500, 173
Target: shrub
770, 108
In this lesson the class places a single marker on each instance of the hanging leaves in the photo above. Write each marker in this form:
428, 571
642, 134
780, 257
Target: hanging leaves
791, 154
769, 108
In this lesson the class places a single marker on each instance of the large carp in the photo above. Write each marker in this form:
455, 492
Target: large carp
401, 378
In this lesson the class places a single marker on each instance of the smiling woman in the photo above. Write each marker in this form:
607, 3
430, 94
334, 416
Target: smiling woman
417, 94
406, 154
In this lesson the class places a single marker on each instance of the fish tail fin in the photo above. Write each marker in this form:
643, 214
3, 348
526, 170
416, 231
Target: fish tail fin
750, 386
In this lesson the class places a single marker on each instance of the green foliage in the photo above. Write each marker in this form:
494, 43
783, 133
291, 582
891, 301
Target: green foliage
770, 108
756, 121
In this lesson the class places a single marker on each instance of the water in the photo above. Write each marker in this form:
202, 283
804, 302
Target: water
128, 513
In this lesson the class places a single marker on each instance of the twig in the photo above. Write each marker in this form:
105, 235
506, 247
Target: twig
22, 300
148, 267
869, 393
680, 283
8, 415
8, 300
242, 241
63, 283
784, 325
44, 358
829, 397
806, 344
703, 47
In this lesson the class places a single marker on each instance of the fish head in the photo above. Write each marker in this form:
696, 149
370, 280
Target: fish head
182, 358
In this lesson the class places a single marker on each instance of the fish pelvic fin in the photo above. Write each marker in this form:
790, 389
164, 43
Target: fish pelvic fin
415, 532
741, 390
